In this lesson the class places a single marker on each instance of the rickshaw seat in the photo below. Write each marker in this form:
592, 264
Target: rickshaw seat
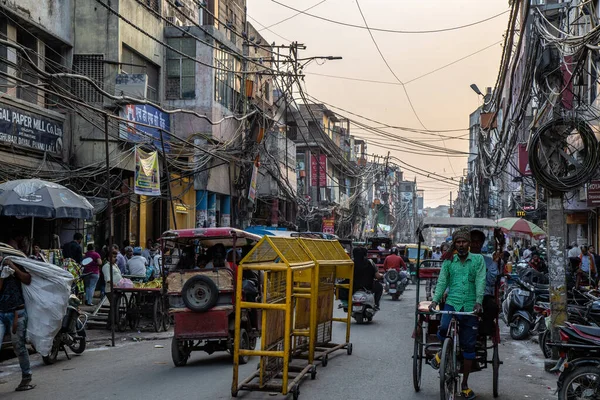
424, 306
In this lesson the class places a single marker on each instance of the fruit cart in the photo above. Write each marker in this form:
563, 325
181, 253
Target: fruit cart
145, 300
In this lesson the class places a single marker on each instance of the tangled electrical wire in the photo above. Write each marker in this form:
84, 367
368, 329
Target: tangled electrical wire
554, 153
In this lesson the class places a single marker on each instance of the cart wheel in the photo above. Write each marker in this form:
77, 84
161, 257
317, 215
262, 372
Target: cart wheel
417, 365
349, 349
121, 312
324, 360
448, 373
244, 344
495, 369
133, 312
313, 372
166, 319
158, 314
296, 392
179, 352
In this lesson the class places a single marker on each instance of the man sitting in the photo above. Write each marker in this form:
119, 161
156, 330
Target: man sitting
464, 275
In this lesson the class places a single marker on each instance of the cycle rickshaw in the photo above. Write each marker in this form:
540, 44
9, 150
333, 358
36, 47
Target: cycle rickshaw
427, 344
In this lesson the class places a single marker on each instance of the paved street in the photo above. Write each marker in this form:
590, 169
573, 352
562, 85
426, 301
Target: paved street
380, 367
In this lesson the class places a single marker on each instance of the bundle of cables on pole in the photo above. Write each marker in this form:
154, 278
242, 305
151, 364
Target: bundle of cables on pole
563, 154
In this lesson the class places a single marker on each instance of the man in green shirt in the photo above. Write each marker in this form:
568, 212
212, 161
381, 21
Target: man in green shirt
464, 277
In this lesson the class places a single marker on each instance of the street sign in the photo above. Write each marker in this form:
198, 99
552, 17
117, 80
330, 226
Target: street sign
593, 193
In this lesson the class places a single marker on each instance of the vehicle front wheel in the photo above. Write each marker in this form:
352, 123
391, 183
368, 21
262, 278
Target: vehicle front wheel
244, 345
53, 355
520, 330
79, 342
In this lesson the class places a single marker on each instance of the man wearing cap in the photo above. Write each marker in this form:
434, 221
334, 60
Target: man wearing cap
137, 263
464, 276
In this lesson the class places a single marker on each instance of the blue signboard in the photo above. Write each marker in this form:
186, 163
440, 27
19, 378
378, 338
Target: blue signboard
147, 115
30, 130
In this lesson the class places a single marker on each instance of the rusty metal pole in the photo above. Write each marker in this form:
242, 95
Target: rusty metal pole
109, 214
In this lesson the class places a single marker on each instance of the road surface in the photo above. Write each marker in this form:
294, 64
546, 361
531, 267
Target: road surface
380, 367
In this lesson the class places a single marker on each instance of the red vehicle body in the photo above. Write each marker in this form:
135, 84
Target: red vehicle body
377, 255
202, 300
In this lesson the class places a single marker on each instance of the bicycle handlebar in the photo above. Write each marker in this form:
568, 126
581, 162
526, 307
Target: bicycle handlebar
472, 313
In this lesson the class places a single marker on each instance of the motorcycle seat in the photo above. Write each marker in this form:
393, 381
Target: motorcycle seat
588, 330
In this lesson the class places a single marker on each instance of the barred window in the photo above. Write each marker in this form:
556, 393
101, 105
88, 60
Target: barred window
181, 71
153, 4
92, 66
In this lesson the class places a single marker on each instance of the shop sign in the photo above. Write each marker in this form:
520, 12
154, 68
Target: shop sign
30, 130
329, 225
524, 160
318, 166
147, 174
147, 115
577, 219
593, 194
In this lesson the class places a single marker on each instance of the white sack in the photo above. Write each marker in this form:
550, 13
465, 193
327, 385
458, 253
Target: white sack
46, 300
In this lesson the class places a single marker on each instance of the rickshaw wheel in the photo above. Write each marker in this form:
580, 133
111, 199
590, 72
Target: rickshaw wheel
200, 293
121, 312
447, 372
495, 369
349, 349
179, 352
133, 312
245, 345
417, 365
313, 372
296, 392
324, 360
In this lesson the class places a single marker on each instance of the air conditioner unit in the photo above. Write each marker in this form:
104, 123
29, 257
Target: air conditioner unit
174, 21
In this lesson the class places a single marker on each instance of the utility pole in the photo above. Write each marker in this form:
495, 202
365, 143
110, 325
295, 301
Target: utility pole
245, 191
109, 213
451, 211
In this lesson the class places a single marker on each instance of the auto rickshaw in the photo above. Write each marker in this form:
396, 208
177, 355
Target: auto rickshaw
414, 253
201, 268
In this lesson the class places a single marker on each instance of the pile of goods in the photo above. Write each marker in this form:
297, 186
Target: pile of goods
155, 284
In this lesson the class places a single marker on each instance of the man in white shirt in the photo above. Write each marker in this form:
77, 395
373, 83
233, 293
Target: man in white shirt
437, 254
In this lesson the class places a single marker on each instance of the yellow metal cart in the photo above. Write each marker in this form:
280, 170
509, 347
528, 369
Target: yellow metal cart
333, 270
285, 264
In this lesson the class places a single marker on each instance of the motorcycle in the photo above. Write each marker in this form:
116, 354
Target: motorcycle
579, 363
396, 282
71, 334
517, 310
363, 306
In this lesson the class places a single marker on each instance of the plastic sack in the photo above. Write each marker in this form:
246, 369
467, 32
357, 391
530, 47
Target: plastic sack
124, 283
46, 300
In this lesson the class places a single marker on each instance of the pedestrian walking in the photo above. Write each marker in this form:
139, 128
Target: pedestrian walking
91, 270
13, 316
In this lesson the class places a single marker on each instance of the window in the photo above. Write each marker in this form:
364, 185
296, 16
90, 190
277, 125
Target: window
181, 71
92, 66
134, 63
226, 81
153, 4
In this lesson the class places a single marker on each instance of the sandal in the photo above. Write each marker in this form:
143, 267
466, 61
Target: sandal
24, 387
468, 394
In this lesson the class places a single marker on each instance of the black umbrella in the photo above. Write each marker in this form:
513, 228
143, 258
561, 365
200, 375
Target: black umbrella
41, 199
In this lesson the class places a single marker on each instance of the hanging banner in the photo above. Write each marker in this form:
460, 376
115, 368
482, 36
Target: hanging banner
252, 189
318, 166
147, 174
524, 160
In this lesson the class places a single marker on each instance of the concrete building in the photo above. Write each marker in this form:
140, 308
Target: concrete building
37, 40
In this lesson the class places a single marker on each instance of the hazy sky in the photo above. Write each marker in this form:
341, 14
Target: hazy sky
443, 100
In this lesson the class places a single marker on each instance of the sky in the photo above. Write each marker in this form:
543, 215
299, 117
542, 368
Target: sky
443, 100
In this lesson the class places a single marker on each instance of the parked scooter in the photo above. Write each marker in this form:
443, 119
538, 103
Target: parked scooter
517, 310
396, 282
579, 363
363, 306
71, 334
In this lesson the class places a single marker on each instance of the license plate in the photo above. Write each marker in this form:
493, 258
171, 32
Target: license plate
392, 290
357, 308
